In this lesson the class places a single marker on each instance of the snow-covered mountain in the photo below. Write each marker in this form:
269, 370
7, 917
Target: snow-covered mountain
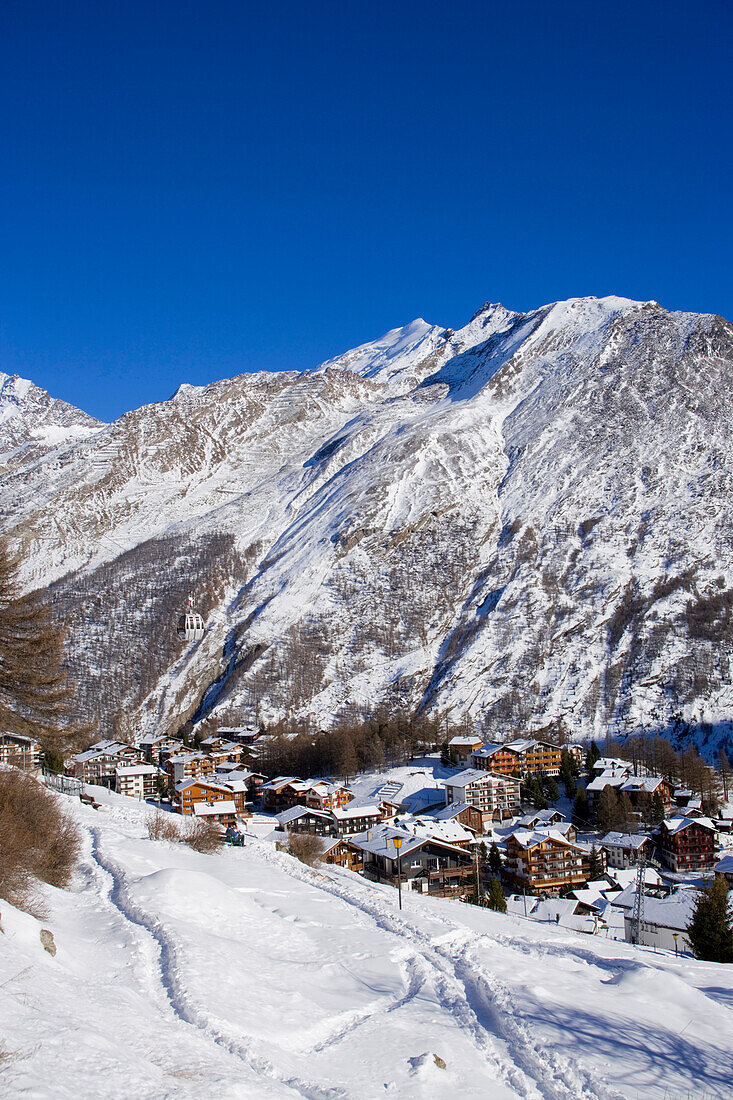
526, 521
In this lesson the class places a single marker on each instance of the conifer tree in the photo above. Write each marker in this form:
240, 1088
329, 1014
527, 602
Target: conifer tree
495, 859
711, 929
656, 813
33, 692
495, 898
596, 865
580, 808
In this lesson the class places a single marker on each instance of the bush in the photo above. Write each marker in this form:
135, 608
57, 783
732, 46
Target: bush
162, 826
38, 840
305, 847
202, 836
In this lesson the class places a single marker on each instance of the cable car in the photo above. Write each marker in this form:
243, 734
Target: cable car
190, 625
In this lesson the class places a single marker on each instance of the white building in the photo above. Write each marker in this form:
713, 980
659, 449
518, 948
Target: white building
496, 796
137, 781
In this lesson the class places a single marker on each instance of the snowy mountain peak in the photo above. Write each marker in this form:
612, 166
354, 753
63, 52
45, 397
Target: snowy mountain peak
525, 522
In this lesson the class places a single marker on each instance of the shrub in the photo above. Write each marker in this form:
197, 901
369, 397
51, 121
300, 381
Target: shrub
162, 826
305, 847
38, 840
202, 836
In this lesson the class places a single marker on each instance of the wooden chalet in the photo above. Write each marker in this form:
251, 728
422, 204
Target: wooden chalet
543, 862
687, 844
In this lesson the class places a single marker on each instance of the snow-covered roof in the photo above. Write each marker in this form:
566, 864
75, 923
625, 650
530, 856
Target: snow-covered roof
724, 866
448, 813
673, 912
344, 812
202, 781
675, 825
540, 817
214, 809
464, 742
449, 831
470, 775
527, 838
136, 769
624, 840
295, 812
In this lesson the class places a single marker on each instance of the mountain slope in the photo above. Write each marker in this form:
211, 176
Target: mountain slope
526, 521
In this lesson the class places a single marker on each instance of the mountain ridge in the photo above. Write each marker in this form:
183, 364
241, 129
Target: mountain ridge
520, 522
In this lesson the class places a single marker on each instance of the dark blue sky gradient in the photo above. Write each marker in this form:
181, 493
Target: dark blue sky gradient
192, 190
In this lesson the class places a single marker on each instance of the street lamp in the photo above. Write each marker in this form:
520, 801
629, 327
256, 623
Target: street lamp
674, 937
398, 845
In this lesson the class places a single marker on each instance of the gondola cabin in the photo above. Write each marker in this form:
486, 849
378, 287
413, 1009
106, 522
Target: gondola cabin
190, 626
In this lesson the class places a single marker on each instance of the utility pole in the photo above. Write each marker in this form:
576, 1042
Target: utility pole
637, 917
398, 845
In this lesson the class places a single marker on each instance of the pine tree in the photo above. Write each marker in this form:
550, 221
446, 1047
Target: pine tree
580, 808
596, 864
711, 929
656, 813
445, 757
495, 859
33, 692
495, 899
551, 789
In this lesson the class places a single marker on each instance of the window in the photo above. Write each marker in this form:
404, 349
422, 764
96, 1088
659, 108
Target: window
415, 863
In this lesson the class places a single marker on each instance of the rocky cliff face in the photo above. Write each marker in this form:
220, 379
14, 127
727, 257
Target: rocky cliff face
526, 521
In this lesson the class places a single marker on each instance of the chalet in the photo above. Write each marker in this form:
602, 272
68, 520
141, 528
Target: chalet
543, 862
687, 844
429, 866
499, 759
239, 788
281, 793
221, 751
245, 735
626, 849
221, 812
342, 853
321, 795
542, 758
519, 757
460, 748
137, 781
151, 744
188, 765
20, 752
463, 812
100, 762
192, 791
301, 819
355, 819
540, 818
495, 796
640, 789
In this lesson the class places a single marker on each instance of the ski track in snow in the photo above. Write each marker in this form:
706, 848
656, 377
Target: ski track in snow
169, 977
474, 996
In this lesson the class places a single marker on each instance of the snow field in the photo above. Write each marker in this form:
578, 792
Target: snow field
248, 974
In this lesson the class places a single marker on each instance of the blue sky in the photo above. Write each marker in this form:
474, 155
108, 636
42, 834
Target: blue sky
190, 190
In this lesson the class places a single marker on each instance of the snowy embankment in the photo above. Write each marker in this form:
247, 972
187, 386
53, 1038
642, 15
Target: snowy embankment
247, 974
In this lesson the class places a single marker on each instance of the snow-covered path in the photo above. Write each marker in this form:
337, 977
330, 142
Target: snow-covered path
247, 974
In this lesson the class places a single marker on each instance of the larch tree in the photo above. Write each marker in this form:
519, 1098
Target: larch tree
33, 690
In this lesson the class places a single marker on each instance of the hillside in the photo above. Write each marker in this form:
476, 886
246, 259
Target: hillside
246, 973
525, 522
